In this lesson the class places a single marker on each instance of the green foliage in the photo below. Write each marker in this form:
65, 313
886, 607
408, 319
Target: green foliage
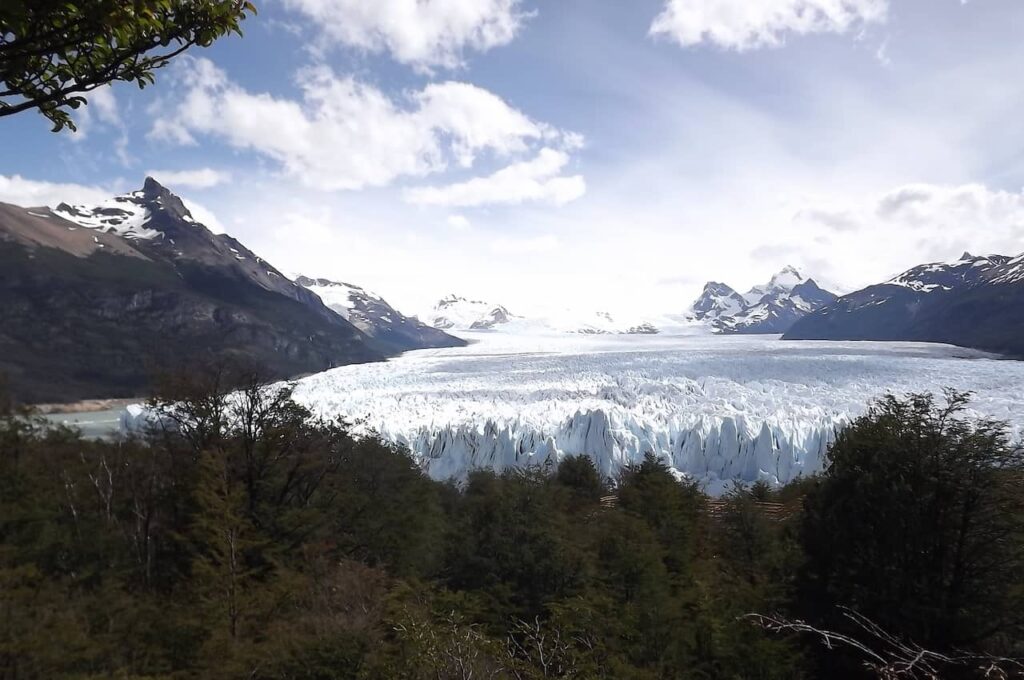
919, 525
52, 52
580, 476
245, 538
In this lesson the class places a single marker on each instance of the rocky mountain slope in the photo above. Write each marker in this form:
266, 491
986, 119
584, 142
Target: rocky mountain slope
371, 314
767, 309
95, 299
973, 302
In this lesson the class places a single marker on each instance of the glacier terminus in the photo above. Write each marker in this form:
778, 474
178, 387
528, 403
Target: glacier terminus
716, 409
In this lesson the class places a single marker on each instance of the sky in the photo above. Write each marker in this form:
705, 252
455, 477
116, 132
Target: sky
593, 154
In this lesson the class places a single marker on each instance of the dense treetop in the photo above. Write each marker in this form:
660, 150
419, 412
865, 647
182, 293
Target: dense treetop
53, 52
248, 539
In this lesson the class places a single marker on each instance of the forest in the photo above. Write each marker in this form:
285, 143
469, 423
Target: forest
246, 538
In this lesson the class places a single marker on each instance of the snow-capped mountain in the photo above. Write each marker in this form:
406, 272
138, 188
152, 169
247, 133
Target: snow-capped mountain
976, 301
457, 313
460, 314
95, 299
770, 308
371, 314
155, 222
717, 300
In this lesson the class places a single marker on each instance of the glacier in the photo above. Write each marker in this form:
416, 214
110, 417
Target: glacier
716, 409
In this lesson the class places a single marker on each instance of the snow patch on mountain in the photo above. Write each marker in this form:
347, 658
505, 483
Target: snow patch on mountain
345, 298
969, 269
461, 314
372, 314
123, 215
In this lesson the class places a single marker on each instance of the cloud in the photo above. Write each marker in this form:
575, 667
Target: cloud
524, 246
204, 216
744, 25
459, 222
421, 33
32, 194
912, 224
344, 134
202, 178
537, 180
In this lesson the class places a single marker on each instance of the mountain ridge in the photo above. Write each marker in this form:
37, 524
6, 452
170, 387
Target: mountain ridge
764, 309
95, 299
375, 317
976, 302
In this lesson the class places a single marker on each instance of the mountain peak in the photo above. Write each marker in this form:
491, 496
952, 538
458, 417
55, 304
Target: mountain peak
716, 286
152, 188
787, 277
154, 192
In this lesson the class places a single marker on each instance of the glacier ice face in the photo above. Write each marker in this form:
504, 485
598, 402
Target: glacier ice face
716, 409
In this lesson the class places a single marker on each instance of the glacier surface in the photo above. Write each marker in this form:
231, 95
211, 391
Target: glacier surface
716, 409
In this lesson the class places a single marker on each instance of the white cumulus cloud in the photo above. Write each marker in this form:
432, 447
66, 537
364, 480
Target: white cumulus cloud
422, 33
29, 193
539, 179
882, 235
459, 222
746, 24
201, 178
345, 134
524, 246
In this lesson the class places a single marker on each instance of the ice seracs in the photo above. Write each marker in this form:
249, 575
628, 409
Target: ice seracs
714, 409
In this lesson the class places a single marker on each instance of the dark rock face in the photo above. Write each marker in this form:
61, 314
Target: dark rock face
95, 311
975, 302
643, 329
376, 318
496, 317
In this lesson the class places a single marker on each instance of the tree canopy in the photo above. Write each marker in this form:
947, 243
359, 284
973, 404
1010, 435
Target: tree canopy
246, 538
53, 52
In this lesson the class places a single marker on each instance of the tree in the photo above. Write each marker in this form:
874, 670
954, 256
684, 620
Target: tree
918, 525
580, 475
53, 52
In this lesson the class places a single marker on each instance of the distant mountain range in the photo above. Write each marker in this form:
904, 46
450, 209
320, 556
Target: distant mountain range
95, 299
371, 314
766, 309
771, 308
457, 314
974, 302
